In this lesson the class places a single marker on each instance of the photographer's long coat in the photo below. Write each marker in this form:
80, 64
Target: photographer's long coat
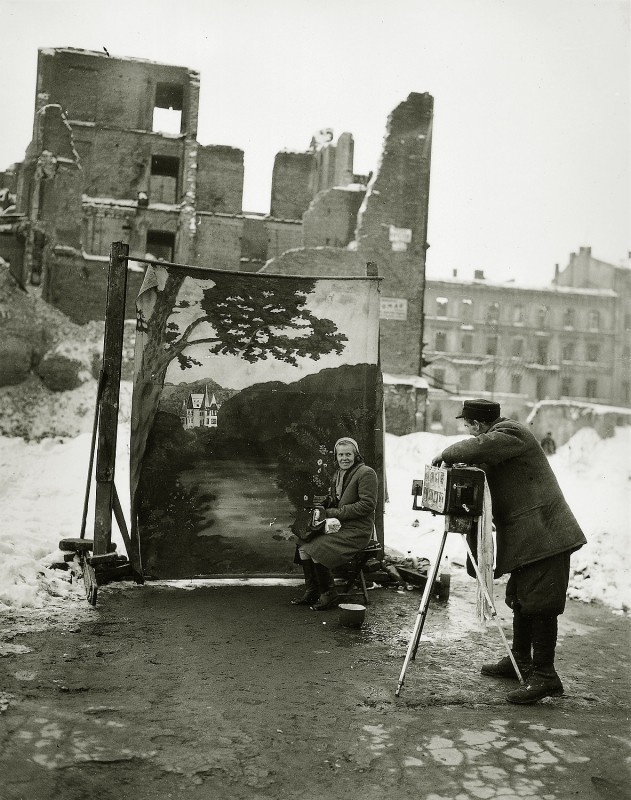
532, 519
356, 511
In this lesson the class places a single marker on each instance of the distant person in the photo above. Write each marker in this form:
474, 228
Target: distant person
536, 533
350, 514
548, 444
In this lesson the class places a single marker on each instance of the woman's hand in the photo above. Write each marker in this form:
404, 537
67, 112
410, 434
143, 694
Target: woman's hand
332, 525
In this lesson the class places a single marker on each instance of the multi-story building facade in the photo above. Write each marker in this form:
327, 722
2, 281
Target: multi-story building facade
519, 345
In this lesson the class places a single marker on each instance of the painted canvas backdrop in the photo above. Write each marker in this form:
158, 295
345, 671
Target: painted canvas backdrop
243, 382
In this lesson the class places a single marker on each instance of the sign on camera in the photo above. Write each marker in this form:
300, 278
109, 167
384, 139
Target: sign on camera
434, 489
393, 308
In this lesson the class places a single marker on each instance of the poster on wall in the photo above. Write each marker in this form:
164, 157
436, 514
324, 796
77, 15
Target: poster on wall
243, 382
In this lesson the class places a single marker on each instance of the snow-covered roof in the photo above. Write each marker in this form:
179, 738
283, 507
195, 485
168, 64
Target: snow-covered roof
405, 380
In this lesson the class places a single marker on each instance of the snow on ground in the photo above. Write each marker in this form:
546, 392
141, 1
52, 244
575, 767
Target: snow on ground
43, 483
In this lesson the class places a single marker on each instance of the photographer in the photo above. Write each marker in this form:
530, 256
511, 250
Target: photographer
350, 519
536, 533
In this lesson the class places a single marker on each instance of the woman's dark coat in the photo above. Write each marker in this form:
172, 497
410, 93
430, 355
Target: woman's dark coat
356, 511
532, 519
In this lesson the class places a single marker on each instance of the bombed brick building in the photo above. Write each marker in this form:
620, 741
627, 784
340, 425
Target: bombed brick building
114, 156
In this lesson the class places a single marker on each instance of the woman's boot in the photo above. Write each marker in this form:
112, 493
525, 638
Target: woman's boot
311, 591
326, 584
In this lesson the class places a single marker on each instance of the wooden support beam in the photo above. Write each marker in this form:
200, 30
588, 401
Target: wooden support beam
108, 410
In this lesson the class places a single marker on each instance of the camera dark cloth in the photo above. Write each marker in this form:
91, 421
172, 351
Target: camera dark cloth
532, 519
540, 587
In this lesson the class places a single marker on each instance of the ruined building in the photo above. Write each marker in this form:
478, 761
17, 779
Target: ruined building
114, 156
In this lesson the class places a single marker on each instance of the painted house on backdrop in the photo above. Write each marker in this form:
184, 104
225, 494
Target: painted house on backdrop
199, 410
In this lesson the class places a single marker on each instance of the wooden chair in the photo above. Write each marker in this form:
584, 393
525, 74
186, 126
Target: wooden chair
358, 563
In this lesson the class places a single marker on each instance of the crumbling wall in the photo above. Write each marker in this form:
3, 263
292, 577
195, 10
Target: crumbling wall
293, 184
331, 218
220, 179
218, 243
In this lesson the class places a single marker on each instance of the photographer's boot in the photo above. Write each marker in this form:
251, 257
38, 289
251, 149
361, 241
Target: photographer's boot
328, 593
521, 649
311, 591
543, 681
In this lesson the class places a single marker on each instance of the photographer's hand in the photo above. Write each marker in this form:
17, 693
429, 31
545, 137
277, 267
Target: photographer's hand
437, 460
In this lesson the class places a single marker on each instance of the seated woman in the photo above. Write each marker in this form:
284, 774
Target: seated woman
351, 509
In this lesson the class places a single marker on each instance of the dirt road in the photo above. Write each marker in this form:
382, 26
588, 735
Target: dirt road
233, 693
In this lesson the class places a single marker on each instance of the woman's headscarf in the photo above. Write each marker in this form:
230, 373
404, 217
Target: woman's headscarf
354, 445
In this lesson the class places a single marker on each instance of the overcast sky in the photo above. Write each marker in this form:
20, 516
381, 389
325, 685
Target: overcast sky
532, 114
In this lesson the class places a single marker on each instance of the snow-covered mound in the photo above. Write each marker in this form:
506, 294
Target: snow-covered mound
42, 487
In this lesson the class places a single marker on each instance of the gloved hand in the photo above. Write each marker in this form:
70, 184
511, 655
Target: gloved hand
437, 460
332, 525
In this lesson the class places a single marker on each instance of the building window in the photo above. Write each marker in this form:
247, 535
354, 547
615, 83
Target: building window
515, 384
542, 384
160, 245
491, 345
489, 382
437, 414
594, 320
441, 306
439, 378
626, 392
165, 171
592, 352
567, 353
542, 317
464, 381
167, 110
569, 316
518, 315
627, 322
493, 314
518, 348
590, 388
466, 343
467, 310
566, 387
441, 341
542, 351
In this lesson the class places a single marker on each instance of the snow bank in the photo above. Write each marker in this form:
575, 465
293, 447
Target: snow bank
42, 487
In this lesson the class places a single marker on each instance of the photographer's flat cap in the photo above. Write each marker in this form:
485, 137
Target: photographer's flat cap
484, 410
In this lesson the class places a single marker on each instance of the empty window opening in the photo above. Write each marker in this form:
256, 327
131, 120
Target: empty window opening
566, 387
542, 352
518, 348
160, 245
594, 320
441, 341
165, 171
491, 345
466, 344
591, 386
441, 306
467, 310
515, 383
167, 111
493, 313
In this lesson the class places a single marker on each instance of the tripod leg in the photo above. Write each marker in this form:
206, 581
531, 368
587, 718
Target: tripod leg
494, 616
422, 612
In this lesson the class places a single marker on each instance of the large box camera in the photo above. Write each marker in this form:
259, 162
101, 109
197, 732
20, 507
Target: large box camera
455, 490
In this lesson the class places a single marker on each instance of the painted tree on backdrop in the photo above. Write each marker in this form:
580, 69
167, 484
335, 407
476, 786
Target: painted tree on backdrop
254, 318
